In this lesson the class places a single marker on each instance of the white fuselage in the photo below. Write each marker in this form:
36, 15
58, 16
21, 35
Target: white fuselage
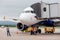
28, 18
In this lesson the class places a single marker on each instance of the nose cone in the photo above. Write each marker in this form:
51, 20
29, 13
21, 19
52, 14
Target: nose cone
28, 18
28, 9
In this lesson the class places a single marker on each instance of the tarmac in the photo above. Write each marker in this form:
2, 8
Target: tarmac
27, 36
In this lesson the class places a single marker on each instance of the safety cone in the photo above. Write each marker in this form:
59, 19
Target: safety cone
17, 32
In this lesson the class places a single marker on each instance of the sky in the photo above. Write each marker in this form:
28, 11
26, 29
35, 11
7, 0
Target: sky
12, 8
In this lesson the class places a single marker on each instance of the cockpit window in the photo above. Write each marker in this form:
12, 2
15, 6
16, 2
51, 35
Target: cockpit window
32, 12
29, 12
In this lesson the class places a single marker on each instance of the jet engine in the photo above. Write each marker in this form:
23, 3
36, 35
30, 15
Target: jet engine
21, 26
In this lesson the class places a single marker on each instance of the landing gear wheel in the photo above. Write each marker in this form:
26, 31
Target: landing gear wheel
39, 31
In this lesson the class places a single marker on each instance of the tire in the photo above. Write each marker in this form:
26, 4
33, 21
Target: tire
52, 31
31, 33
39, 31
46, 32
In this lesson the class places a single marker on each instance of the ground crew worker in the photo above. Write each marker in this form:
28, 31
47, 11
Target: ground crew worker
35, 30
32, 30
8, 31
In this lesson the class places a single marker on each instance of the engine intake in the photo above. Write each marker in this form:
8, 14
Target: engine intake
20, 26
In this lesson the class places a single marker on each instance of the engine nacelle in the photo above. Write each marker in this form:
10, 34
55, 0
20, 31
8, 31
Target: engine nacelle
21, 26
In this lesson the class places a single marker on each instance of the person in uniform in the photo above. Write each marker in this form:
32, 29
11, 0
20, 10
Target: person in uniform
8, 31
35, 30
32, 30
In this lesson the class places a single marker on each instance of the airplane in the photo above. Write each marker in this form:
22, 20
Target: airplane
29, 17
